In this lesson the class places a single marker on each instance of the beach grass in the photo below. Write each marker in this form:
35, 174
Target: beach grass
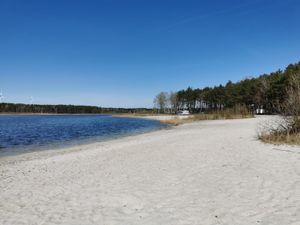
213, 115
279, 138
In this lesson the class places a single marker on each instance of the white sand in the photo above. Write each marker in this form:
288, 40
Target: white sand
213, 172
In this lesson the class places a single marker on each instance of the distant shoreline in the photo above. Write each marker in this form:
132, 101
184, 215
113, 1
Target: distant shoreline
52, 114
124, 115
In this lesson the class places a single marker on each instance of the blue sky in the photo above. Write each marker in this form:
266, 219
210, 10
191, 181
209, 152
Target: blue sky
121, 53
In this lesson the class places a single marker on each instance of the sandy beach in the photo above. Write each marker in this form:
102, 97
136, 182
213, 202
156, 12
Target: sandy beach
210, 172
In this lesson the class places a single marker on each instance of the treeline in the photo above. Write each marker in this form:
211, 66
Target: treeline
65, 109
267, 92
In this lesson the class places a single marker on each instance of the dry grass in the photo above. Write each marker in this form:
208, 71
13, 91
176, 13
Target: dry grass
221, 116
282, 130
215, 115
280, 138
174, 122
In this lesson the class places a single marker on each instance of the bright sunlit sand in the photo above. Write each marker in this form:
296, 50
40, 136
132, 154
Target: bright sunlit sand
212, 172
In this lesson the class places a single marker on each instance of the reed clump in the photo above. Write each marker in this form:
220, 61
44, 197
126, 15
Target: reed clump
281, 138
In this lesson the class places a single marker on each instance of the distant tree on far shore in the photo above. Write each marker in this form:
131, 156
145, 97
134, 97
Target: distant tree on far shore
66, 109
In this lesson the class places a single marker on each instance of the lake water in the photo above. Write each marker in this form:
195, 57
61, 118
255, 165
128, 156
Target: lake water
23, 133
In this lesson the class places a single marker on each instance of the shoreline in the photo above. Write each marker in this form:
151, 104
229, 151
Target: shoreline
79, 142
159, 117
64, 148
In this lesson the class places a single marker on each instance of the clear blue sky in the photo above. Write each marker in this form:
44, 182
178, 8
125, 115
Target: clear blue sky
123, 52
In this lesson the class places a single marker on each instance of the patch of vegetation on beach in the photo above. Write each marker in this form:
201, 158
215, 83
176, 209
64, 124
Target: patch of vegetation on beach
238, 112
287, 129
279, 138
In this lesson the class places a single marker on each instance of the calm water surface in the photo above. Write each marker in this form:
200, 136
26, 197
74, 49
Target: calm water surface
19, 133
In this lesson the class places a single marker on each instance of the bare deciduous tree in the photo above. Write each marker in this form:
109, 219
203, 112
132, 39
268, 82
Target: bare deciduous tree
291, 106
161, 101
